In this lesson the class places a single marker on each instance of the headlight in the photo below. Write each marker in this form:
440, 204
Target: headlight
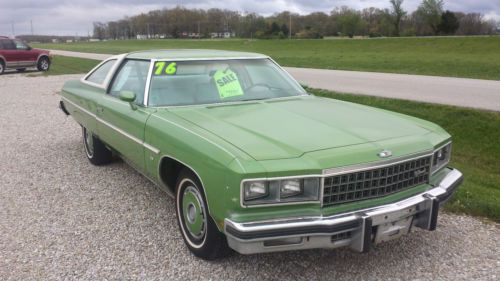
256, 190
441, 157
290, 188
281, 191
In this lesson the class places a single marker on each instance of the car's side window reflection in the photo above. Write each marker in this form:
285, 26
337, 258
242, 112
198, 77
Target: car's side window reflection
131, 77
20, 45
99, 75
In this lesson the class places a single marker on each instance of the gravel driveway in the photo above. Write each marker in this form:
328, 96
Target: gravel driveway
63, 218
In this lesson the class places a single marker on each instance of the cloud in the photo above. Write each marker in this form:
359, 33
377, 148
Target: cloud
66, 17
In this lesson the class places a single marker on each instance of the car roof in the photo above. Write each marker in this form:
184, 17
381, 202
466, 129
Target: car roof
188, 54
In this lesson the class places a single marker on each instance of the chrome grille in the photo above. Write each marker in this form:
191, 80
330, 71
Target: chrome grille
376, 182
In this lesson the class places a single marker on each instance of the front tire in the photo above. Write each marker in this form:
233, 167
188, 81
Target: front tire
2, 67
96, 151
198, 229
43, 64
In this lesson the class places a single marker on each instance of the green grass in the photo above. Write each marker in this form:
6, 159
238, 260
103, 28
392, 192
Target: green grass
476, 148
68, 65
473, 57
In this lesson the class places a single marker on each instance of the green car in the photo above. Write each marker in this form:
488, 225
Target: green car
254, 162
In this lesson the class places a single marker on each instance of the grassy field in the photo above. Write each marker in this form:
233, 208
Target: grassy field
67, 65
473, 57
476, 148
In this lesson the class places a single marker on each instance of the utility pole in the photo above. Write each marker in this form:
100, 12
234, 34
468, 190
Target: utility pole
31, 24
290, 27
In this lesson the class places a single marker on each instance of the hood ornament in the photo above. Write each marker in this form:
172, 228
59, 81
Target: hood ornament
384, 153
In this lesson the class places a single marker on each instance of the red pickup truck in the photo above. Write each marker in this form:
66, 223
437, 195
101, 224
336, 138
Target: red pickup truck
18, 55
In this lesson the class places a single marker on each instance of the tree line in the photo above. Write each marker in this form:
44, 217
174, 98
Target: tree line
429, 19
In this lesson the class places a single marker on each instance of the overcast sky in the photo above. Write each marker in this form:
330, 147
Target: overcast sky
70, 17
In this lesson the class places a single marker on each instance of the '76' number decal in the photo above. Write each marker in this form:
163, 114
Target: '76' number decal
164, 68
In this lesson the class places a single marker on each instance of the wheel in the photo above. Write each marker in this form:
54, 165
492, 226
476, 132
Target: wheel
43, 64
96, 151
21, 69
198, 229
2, 66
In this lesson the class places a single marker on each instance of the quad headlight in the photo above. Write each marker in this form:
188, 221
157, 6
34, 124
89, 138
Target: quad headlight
261, 192
441, 157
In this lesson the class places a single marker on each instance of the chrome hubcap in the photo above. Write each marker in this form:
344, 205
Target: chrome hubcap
194, 212
45, 64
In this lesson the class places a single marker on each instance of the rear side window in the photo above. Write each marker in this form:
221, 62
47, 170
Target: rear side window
100, 74
7, 44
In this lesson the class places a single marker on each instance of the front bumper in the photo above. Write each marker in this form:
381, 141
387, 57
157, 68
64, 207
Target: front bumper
358, 230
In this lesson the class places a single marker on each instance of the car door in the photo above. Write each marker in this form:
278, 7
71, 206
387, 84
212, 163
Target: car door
9, 52
121, 124
23, 54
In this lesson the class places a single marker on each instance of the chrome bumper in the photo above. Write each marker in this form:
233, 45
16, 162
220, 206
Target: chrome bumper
358, 230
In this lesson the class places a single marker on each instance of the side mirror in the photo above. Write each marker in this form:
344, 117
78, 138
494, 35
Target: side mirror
129, 97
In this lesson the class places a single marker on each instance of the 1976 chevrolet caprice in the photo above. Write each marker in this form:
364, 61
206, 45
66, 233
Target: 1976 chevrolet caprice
253, 161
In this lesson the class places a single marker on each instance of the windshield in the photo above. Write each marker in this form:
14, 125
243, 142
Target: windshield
218, 81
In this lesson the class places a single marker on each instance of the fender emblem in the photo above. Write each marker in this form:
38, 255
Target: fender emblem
384, 153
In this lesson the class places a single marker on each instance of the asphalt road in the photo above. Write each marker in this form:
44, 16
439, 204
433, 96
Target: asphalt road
62, 218
475, 93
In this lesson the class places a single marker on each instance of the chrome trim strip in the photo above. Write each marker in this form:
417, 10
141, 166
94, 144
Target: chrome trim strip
79, 107
375, 165
140, 142
148, 82
151, 148
289, 76
220, 104
214, 58
119, 130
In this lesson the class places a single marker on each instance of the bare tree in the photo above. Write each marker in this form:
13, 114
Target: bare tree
397, 13
430, 11
100, 30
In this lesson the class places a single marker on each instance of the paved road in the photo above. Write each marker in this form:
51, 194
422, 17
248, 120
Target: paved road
62, 218
482, 94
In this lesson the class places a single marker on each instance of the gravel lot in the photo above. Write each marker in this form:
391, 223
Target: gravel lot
62, 218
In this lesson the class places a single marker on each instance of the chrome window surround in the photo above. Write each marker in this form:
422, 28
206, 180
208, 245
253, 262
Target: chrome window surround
338, 171
110, 74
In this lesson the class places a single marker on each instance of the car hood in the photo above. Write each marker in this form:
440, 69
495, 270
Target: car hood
288, 128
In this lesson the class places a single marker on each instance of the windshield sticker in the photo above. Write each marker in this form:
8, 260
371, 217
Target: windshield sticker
228, 84
164, 68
